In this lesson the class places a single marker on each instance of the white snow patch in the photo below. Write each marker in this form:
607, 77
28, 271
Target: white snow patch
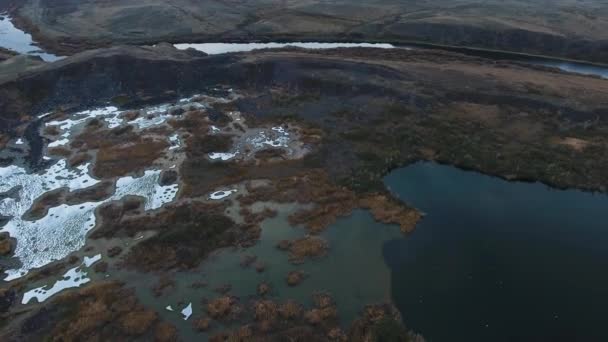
169, 308
218, 195
64, 228
222, 156
19, 142
74, 277
88, 262
59, 142
174, 141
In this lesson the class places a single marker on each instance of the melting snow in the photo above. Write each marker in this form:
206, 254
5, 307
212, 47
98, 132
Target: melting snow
218, 195
174, 140
72, 278
90, 261
222, 156
63, 230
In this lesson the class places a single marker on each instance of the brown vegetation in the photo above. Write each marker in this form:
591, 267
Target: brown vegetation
294, 278
307, 247
102, 311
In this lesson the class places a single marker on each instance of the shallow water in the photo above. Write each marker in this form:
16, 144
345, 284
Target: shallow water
14, 39
496, 260
577, 68
353, 279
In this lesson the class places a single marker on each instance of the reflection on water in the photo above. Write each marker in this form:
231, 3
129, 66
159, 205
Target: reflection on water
496, 261
578, 68
14, 39
218, 48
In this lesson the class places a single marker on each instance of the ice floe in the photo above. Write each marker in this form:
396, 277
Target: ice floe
218, 195
187, 312
74, 277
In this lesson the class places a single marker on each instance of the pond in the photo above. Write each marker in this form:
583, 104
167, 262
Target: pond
496, 260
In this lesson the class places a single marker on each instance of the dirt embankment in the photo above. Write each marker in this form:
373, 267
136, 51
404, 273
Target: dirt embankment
563, 28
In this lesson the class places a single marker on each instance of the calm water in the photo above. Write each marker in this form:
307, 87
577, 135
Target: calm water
354, 279
499, 261
219, 48
14, 39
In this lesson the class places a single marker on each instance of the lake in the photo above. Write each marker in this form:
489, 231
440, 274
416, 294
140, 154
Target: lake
499, 261
14, 39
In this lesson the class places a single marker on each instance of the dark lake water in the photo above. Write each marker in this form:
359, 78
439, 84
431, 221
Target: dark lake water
499, 261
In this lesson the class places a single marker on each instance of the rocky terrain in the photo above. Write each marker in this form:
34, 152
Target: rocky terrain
213, 141
565, 28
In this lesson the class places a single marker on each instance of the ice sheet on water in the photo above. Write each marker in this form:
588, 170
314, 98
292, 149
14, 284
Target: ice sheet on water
187, 312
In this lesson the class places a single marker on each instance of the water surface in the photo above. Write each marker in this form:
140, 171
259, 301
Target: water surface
219, 48
14, 39
499, 261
